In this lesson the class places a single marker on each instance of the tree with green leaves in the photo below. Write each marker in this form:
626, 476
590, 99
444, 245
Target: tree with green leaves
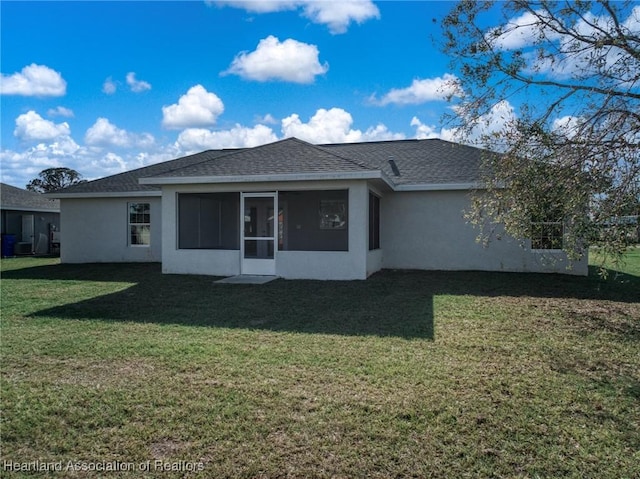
554, 86
53, 179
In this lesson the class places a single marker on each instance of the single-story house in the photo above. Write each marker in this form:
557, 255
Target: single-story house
30, 221
297, 210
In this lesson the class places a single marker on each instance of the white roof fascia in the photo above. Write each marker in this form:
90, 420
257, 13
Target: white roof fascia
26, 208
106, 194
439, 187
180, 180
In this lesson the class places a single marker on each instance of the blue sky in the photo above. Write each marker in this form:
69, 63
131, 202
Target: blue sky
103, 87
328, 73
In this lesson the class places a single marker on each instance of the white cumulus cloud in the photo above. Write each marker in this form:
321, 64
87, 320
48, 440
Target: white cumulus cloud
567, 55
568, 126
333, 126
267, 119
60, 111
519, 32
31, 126
33, 80
198, 139
339, 15
424, 131
104, 133
196, 108
422, 91
290, 60
326, 126
491, 123
496, 120
109, 86
19, 168
336, 15
136, 85
262, 6
380, 132
109, 164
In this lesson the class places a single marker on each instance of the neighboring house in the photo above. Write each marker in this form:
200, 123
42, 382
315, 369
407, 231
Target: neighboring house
296, 210
29, 220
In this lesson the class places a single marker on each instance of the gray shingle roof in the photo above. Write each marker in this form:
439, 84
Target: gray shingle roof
13, 198
128, 181
282, 157
420, 162
430, 161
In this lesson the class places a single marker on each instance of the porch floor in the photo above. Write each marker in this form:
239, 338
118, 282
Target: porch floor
246, 279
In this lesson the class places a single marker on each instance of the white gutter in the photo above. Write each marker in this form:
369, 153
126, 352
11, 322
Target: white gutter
182, 180
188, 180
35, 210
106, 194
439, 187
352, 175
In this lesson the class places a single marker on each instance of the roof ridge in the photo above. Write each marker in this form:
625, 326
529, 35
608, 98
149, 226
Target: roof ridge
377, 141
350, 160
283, 140
231, 152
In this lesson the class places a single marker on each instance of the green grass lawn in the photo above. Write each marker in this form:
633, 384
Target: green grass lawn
407, 374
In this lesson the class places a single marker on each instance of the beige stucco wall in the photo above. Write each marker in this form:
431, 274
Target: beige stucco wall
419, 230
95, 230
427, 230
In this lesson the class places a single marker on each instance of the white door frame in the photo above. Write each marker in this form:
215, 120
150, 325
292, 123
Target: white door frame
259, 266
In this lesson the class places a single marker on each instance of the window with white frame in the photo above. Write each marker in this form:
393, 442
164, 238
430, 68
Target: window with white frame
547, 235
139, 224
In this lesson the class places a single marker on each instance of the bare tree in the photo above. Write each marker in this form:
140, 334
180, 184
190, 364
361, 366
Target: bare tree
555, 87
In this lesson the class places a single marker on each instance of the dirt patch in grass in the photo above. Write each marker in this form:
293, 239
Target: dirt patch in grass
588, 316
168, 448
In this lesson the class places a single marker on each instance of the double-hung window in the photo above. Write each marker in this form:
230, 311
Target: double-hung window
139, 224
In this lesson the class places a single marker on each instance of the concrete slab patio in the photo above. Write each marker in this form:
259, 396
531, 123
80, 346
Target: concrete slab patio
246, 279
